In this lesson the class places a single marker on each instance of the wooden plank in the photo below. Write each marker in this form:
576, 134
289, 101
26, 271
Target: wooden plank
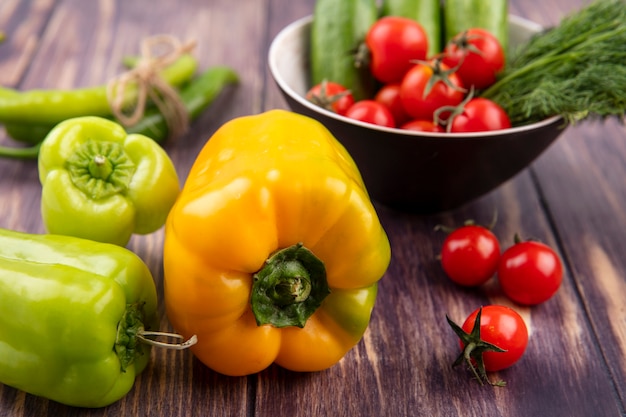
402, 367
588, 212
571, 198
284, 14
586, 207
82, 45
22, 23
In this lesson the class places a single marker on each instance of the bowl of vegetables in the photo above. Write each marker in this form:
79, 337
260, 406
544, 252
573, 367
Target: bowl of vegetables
433, 169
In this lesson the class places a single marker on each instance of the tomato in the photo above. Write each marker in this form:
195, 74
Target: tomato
394, 42
530, 272
478, 55
470, 255
423, 89
422, 126
371, 111
331, 96
479, 115
389, 95
492, 338
503, 327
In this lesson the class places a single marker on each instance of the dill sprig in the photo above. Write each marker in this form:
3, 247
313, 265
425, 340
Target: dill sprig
576, 69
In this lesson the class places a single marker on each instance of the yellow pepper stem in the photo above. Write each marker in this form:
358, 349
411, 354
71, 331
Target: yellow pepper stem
289, 288
293, 287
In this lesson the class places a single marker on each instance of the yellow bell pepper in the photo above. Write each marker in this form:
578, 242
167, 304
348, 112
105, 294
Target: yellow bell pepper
273, 249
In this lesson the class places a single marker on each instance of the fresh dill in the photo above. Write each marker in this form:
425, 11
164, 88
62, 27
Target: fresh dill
576, 69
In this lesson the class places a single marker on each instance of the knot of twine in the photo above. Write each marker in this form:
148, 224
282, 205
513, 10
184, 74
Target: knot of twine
157, 52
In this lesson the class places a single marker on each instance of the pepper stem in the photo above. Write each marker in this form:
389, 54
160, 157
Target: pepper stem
30, 152
131, 332
143, 336
100, 167
289, 288
293, 287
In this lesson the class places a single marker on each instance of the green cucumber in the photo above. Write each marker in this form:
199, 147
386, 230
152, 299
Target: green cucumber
338, 30
426, 12
491, 15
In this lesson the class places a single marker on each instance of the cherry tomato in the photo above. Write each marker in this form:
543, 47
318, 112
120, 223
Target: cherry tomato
331, 96
470, 255
492, 338
394, 42
422, 126
479, 115
370, 111
423, 89
389, 95
530, 272
478, 55
503, 327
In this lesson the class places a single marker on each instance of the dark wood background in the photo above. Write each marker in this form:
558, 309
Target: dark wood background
572, 197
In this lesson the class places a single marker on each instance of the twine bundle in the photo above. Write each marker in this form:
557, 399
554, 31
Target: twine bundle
157, 52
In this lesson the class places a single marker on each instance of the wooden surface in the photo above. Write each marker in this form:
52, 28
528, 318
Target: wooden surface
572, 197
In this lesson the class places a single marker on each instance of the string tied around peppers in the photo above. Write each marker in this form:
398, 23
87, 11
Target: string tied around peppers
157, 52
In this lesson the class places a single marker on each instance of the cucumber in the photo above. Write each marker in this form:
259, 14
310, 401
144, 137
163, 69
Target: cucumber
338, 29
491, 15
426, 12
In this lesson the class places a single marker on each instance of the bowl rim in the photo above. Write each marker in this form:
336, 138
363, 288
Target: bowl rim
306, 20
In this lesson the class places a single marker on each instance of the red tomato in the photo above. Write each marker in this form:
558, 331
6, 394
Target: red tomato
394, 42
479, 115
423, 90
479, 54
370, 111
331, 96
470, 255
530, 272
422, 126
503, 327
389, 95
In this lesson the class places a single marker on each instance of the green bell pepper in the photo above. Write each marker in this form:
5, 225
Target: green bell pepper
72, 314
100, 183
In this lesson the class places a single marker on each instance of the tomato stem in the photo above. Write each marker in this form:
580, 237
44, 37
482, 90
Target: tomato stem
473, 350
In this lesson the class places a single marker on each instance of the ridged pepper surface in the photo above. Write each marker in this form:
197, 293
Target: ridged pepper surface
100, 183
273, 249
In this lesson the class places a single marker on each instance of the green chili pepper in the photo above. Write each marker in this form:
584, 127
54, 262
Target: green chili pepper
23, 131
102, 184
196, 95
74, 316
27, 133
53, 106
15, 152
